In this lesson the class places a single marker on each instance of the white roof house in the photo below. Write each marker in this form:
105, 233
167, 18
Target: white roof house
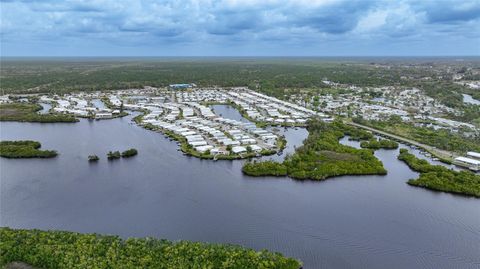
256, 148
468, 160
238, 149
197, 143
473, 154
203, 149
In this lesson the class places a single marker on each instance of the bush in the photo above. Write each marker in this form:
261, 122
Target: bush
440, 178
28, 113
58, 249
322, 156
378, 144
129, 153
24, 149
268, 168
93, 158
113, 155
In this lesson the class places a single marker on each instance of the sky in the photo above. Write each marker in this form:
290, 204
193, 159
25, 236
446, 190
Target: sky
239, 28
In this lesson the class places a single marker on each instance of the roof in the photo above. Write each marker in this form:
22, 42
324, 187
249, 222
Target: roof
473, 154
468, 160
238, 149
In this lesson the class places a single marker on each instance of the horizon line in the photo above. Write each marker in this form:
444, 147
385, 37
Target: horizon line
234, 56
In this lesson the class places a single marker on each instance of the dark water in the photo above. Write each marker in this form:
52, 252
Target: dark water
347, 222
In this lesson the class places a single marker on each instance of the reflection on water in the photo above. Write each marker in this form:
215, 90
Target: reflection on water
347, 222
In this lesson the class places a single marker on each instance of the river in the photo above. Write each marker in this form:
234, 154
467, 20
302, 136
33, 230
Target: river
346, 222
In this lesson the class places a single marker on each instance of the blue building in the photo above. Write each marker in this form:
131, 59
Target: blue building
181, 86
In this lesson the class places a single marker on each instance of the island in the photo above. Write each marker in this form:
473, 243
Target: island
112, 155
440, 178
69, 250
322, 156
379, 144
24, 149
129, 153
93, 158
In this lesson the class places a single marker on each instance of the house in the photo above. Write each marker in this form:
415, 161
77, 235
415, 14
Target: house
471, 164
238, 149
180, 86
103, 116
474, 155
203, 149
256, 148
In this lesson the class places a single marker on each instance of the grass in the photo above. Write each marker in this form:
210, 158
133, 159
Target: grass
24, 149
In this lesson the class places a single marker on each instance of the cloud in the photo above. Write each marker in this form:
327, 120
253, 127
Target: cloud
238, 25
456, 11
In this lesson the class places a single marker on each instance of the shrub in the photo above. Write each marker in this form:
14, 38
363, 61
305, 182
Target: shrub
24, 149
129, 153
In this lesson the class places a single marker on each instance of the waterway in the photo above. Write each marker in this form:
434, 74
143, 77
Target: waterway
346, 222
45, 108
470, 100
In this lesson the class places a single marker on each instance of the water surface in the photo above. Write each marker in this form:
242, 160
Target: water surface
346, 222
470, 100
45, 108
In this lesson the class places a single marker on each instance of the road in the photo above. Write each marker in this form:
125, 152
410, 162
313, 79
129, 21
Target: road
441, 154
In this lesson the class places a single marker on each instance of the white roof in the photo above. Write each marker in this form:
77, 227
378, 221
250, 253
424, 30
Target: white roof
203, 148
238, 149
473, 154
255, 148
197, 143
468, 160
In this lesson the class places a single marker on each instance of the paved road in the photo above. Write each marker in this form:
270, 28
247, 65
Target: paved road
443, 154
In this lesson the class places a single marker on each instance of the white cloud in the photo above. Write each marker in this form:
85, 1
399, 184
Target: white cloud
238, 23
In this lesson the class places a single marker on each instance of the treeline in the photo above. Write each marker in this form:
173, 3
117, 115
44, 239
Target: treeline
440, 178
379, 144
266, 168
322, 156
266, 74
24, 149
450, 94
26, 112
59, 249
442, 139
